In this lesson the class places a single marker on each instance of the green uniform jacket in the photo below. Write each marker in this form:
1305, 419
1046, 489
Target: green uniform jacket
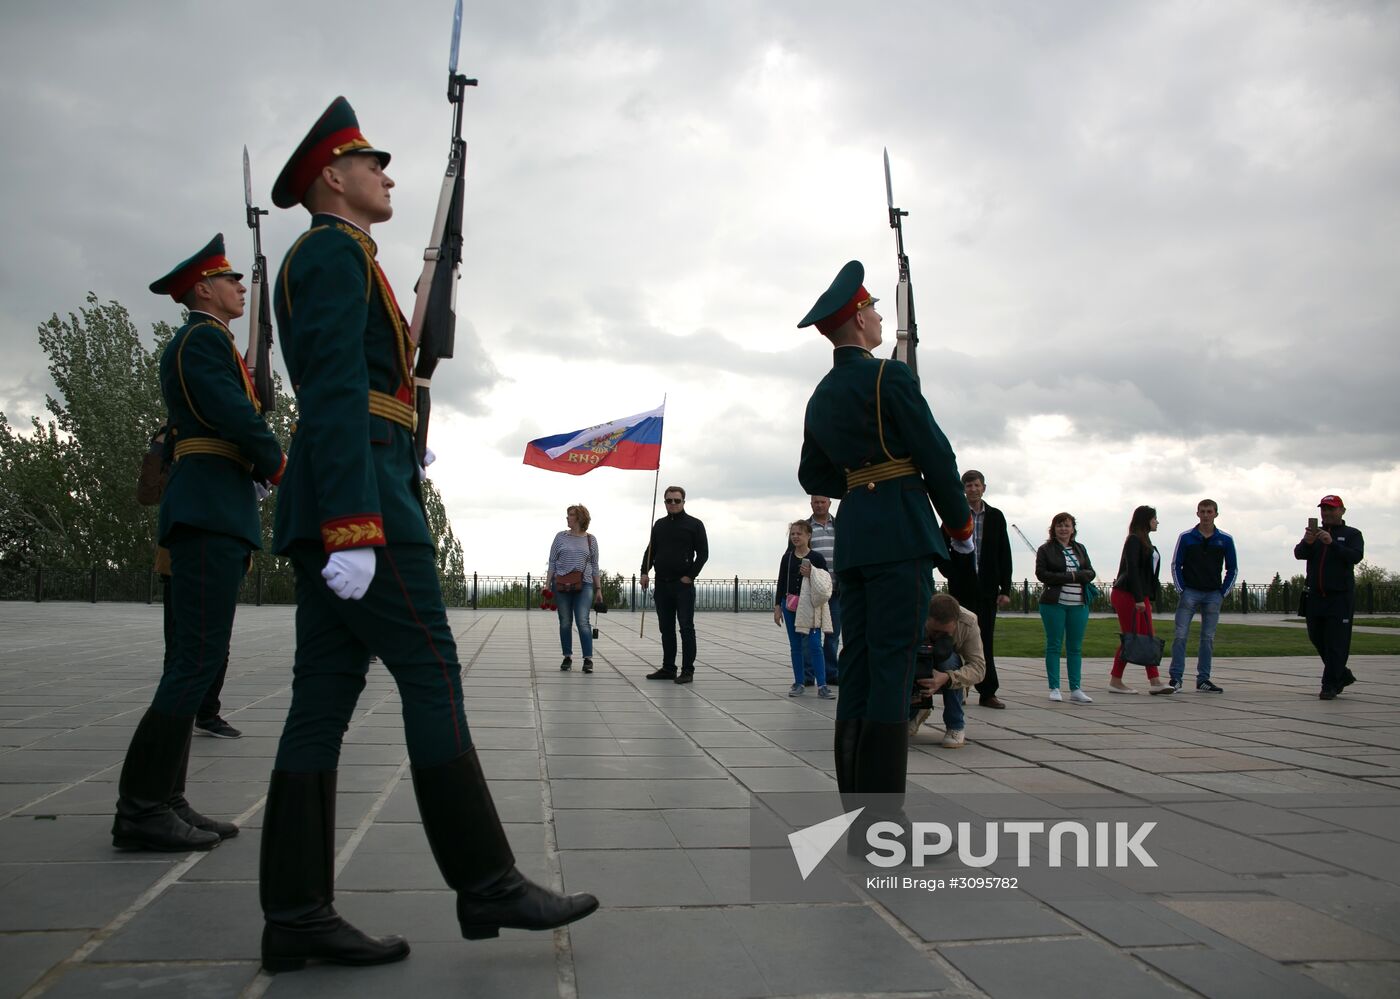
209, 400
860, 416
352, 477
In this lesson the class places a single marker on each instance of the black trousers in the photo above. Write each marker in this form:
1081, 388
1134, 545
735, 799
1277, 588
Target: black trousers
986, 611
984, 605
207, 570
211, 705
675, 601
402, 621
883, 611
1330, 634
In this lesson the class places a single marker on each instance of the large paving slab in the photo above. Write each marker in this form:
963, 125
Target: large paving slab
1275, 837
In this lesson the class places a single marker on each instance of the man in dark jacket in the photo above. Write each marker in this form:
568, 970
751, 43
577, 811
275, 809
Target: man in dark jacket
678, 551
1331, 551
981, 580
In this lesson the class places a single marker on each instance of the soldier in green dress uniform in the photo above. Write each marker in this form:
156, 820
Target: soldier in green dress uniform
869, 438
350, 517
225, 459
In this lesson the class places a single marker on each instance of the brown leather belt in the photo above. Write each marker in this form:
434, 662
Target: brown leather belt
210, 445
883, 472
385, 405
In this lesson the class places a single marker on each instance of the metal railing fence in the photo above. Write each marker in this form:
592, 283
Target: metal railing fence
733, 594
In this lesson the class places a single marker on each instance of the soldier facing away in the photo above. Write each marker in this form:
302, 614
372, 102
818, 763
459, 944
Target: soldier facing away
868, 437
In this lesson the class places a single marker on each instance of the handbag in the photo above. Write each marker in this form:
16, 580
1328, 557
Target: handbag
570, 582
791, 602
1142, 649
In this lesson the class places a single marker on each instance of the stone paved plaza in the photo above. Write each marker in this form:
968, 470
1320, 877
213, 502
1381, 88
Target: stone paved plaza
1281, 851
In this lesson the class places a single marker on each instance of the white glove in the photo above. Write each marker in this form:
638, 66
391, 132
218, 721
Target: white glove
966, 546
428, 459
261, 491
348, 573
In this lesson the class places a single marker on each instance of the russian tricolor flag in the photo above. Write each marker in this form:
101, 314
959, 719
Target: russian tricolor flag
631, 442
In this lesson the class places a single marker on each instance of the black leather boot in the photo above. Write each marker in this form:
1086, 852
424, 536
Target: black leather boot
144, 819
474, 856
296, 881
844, 745
881, 763
182, 808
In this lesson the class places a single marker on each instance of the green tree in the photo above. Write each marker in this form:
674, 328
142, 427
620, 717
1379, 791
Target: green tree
67, 487
451, 561
74, 476
38, 512
282, 422
1373, 574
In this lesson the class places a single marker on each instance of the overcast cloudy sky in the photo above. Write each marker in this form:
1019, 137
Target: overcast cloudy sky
1153, 244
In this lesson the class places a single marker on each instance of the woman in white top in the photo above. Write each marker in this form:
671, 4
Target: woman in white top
573, 576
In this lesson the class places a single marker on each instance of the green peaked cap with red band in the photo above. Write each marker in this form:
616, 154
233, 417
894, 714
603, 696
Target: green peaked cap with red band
208, 262
336, 133
845, 297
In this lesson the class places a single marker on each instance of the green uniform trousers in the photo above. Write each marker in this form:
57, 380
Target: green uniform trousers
206, 573
402, 621
883, 609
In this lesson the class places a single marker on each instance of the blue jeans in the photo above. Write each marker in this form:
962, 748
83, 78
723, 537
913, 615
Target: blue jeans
573, 609
953, 710
1208, 601
810, 644
829, 644
953, 717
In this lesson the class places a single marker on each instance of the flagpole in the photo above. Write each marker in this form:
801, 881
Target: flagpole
654, 484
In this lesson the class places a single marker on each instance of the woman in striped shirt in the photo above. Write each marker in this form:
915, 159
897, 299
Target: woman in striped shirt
574, 551
1062, 566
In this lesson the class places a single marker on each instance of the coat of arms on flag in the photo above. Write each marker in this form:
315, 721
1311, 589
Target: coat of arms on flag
632, 442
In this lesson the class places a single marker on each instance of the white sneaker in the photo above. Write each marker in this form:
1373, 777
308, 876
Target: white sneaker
954, 739
1055, 694
917, 720
1079, 697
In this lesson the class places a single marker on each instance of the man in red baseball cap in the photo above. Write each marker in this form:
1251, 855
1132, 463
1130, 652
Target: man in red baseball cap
1331, 550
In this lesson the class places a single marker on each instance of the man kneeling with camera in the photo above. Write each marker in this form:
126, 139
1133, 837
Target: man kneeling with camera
950, 662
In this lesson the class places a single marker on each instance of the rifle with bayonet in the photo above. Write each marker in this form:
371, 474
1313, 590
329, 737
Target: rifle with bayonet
434, 326
258, 356
907, 329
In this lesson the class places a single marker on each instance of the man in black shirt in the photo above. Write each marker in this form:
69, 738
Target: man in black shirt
1331, 551
678, 550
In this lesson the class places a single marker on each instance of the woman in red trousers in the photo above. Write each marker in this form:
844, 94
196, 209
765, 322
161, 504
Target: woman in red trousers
1134, 591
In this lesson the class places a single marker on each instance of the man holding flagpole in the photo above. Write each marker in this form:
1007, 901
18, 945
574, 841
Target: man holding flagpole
869, 438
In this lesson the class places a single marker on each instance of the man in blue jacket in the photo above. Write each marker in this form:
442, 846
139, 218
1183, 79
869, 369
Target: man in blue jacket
1202, 554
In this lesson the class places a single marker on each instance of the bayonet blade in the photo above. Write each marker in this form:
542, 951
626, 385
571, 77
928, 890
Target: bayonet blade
456, 39
889, 188
247, 181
